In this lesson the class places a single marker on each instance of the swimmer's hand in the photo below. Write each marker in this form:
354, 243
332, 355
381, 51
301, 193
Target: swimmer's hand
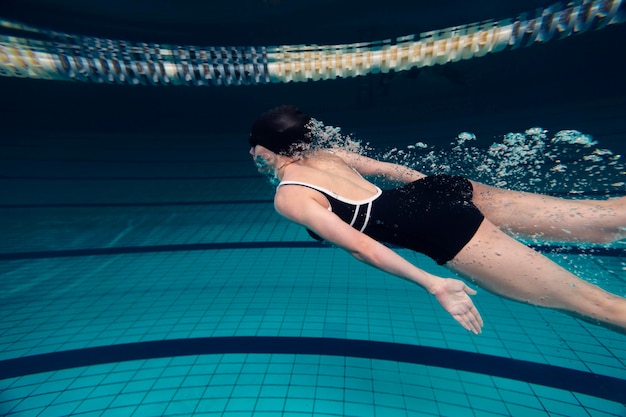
453, 295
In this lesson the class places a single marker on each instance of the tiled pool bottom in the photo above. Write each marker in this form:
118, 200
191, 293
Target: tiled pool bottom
139, 300
288, 385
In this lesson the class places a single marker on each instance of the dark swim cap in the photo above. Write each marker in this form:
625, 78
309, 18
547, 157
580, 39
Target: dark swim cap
281, 130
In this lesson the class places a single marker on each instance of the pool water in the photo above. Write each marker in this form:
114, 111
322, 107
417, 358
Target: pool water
144, 272
161, 282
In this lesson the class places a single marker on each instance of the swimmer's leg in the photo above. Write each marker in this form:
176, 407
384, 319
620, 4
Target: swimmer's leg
506, 267
551, 218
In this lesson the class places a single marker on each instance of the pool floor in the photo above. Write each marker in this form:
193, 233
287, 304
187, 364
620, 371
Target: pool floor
129, 292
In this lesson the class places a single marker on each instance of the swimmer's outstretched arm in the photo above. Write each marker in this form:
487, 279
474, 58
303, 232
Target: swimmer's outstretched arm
452, 294
372, 167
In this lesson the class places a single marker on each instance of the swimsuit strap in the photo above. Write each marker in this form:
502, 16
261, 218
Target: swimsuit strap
333, 194
357, 204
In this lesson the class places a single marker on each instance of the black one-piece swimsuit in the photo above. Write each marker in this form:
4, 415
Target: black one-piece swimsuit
433, 215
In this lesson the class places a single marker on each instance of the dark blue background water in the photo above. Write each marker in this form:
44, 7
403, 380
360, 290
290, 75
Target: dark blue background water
577, 83
156, 185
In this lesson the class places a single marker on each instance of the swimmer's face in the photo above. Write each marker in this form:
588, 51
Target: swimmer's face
263, 159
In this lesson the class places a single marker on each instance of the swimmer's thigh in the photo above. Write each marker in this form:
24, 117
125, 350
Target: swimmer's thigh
505, 266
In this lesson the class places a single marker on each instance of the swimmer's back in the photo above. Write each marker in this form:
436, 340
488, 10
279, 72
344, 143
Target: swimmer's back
325, 170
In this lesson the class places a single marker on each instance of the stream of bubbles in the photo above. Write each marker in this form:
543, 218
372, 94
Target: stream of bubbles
567, 164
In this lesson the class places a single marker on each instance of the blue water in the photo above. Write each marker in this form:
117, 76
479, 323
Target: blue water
107, 258
145, 273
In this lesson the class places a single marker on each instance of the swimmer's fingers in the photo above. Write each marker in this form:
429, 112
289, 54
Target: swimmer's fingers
474, 319
471, 320
469, 291
453, 296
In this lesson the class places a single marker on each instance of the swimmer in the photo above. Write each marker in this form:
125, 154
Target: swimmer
462, 224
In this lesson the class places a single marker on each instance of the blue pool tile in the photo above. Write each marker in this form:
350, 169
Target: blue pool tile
138, 385
157, 396
66, 409
358, 409
119, 412
358, 396
277, 379
521, 410
131, 298
487, 405
389, 400
94, 404
106, 390
123, 400
516, 398
72, 395
381, 411
299, 405
494, 413
332, 394
211, 405
219, 391
598, 407
246, 390
35, 402
182, 408
422, 405
168, 383
302, 392
115, 377
556, 407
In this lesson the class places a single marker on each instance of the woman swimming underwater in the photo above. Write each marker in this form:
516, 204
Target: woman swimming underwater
457, 222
